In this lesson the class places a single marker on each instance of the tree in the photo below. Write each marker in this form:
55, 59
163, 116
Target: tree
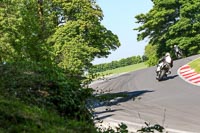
82, 38
43, 58
25, 27
7, 52
31, 32
171, 22
150, 52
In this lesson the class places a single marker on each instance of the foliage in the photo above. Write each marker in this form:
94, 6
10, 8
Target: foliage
22, 32
82, 38
121, 128
31, 31
151, 129
171, 22
36, 85
150, 53
41, 62
116, 64
19, 117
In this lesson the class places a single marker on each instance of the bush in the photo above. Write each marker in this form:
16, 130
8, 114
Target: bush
18, 117
45, 86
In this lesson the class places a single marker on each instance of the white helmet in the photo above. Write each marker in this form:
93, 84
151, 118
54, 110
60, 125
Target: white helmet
167, 54
174, 45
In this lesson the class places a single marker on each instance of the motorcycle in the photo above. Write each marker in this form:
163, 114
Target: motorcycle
178, 52
162, 70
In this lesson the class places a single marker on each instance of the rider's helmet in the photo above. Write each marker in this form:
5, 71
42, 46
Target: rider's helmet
167, 54
174, 46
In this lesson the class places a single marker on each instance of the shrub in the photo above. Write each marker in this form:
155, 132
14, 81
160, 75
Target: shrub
45, 86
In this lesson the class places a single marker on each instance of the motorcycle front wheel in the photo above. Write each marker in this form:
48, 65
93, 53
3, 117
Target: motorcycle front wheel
161, 75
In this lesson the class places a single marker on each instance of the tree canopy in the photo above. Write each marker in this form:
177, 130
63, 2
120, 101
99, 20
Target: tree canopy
171, 22
30, 31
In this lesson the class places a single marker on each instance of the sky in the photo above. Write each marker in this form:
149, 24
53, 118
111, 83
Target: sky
119, 17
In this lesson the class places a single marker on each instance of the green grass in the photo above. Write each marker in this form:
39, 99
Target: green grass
17, 117
195, 65
125, 69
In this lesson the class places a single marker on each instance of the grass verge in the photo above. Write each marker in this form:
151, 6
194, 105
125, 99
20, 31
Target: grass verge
195, 65
124, 69
17, 117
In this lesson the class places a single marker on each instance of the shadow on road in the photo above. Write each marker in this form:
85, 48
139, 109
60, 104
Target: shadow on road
95, 114
105, 111
169, 77
172, 77
117, 98
103, 117
122, 97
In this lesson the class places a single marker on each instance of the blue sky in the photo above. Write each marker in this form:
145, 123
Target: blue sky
119, 18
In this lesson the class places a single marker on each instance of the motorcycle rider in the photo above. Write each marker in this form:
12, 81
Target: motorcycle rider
165, 59
177, 51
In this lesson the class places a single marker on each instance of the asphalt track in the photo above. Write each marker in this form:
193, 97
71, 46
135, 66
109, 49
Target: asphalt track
172, 103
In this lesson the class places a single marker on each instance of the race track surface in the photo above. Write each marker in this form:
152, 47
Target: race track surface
172, 103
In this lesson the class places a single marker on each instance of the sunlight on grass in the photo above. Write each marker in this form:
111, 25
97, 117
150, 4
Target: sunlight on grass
125, 69
195, 65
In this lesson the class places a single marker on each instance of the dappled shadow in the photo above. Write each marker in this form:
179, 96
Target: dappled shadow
107, 110
103, 117
130, 95
120, 97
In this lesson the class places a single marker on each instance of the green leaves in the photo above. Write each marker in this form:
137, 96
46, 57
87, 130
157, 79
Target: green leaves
171, 22
45, 61
82, 38
30, 32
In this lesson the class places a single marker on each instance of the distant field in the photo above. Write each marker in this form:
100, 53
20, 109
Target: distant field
195, 65
125, 69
